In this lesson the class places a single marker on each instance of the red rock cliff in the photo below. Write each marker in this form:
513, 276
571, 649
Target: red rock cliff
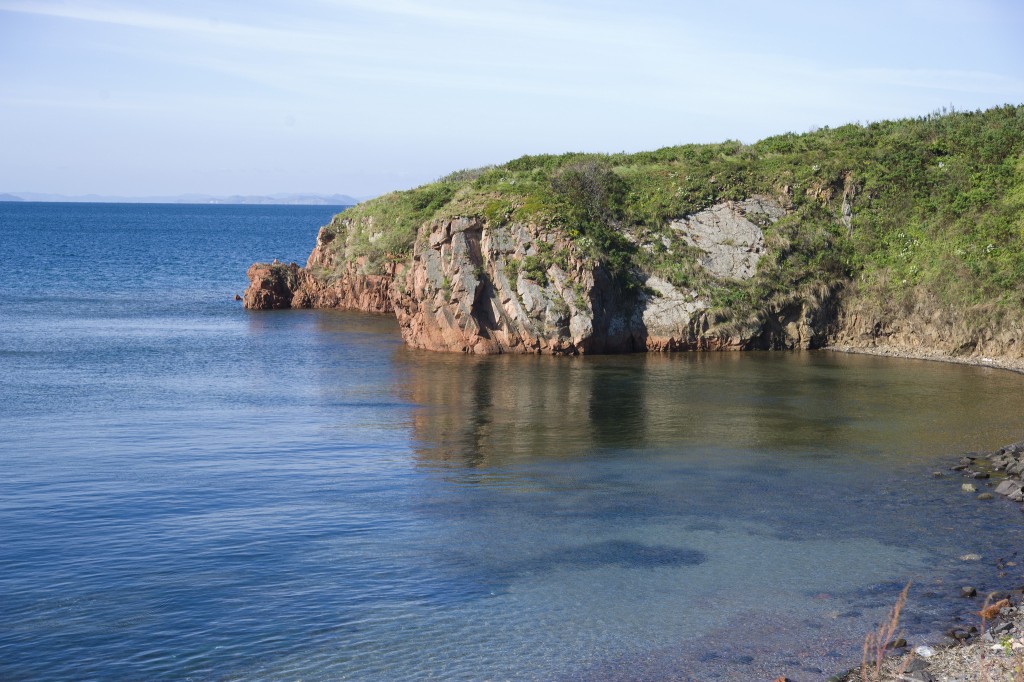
472, 287
323, 283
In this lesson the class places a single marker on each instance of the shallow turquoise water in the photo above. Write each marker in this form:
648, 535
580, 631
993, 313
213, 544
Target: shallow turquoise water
192, 491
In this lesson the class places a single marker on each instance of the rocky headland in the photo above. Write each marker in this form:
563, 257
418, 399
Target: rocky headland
899, 237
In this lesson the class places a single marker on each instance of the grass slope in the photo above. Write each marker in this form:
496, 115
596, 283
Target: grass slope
937, 207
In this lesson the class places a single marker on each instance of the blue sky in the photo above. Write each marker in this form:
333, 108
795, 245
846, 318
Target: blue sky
364, 96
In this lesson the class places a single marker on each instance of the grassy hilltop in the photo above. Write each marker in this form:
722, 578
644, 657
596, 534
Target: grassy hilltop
930, 208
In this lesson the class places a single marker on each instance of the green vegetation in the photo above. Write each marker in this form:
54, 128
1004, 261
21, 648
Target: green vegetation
937, 206
536, 266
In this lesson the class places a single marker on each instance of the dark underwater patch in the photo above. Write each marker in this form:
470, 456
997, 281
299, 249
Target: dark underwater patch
623, 553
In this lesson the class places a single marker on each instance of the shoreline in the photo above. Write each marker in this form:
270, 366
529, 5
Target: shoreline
992, 654
1009, 364
970, 651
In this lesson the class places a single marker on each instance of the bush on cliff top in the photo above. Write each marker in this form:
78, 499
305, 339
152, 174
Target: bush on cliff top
937, 203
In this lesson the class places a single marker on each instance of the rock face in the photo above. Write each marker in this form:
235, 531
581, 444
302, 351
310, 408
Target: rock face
473, 287
323, 283
731, 242
464, 291
919, 325
519, 288
271, 285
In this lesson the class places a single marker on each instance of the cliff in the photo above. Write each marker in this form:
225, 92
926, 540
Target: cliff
896, 235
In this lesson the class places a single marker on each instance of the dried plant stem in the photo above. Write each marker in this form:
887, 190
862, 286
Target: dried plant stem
875, 642
983, 674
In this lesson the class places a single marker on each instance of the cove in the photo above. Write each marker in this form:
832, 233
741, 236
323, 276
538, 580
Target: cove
191, 490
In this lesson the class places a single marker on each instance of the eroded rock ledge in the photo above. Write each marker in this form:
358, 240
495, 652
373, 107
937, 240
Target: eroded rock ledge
922, 327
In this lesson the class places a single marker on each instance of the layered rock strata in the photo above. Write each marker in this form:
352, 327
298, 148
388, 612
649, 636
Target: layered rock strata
473, 287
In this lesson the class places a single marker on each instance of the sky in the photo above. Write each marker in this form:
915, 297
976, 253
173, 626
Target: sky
361, 97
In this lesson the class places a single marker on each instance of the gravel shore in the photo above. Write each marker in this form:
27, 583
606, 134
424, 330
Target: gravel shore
994, 655
1007, 363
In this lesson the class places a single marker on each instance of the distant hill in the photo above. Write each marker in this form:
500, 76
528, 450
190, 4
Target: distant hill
289, 199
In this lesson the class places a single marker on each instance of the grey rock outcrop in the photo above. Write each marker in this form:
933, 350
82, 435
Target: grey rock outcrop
732, 243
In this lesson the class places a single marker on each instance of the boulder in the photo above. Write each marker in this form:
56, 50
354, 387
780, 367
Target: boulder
1009, 487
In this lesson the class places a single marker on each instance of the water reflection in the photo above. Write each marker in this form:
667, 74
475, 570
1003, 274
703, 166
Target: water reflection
680, 498
492, 411
480, 412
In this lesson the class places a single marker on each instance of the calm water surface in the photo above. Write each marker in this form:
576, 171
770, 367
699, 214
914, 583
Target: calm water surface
192, 491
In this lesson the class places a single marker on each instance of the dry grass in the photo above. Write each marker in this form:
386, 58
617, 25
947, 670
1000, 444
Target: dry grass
876, 642
977, 661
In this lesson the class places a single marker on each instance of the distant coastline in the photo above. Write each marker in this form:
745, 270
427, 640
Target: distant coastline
235, 199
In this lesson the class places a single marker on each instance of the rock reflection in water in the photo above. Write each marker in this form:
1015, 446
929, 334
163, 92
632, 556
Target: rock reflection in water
492, 411
488, 411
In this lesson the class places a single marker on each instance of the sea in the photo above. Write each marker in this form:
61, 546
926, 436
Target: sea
193, 491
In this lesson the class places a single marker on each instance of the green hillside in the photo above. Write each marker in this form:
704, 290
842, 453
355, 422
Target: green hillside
935, 205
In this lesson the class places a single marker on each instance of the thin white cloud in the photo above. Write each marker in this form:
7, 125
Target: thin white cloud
448, 74
134, 18
509, 20
520, 17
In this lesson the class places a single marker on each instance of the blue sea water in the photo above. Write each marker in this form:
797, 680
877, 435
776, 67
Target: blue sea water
189, 490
